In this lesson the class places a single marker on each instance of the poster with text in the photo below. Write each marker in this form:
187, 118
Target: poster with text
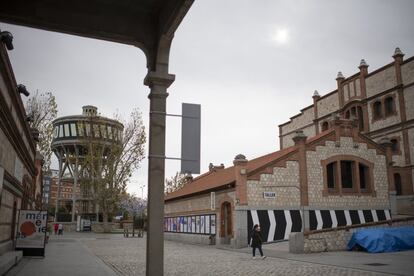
193, 225
31, 231
202, 223
207, 224
213, 224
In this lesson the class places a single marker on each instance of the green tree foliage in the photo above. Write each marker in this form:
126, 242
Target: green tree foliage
109, 166
174, 183
42, 110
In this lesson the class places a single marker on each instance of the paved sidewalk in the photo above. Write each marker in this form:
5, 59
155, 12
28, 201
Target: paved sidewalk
64, 256
395, 263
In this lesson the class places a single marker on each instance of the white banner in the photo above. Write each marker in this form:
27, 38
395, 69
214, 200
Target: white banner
32, 229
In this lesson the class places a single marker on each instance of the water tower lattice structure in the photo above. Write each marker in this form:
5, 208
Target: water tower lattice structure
73, 137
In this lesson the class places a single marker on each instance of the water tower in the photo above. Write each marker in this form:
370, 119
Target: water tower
73, 137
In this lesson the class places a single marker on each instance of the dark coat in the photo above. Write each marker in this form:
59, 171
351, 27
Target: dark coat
256, 239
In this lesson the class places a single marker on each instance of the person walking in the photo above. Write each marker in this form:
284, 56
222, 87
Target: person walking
257, 241
60, 229
56, 226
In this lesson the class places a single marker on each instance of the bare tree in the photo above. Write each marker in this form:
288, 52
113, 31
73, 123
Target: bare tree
174, 183
109, 166
42, 110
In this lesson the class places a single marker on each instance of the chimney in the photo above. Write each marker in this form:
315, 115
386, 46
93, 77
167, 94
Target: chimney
299, 138
316, 95
363, 67
398, 55
240, 170
339, 79
188, 178
212, 167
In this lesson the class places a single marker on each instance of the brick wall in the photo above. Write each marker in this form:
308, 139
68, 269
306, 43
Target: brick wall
409, 102
337, 240
201, 205
411, 143
7, 153
328, 105
6, 213
351, 89
305, 118
286, 197
315, 177
398, 159
388, 121
188, 205
407, 72
309, 131
381, 81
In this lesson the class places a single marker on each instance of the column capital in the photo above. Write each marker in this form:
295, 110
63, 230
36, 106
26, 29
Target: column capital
158, 78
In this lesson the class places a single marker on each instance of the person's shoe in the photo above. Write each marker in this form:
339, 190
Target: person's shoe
253, 258
263, 257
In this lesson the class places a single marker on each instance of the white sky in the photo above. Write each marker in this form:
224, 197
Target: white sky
250, 64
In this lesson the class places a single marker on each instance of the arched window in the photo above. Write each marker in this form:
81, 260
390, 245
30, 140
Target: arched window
325, 126
397, 182
377, 110
353, 111
347, 174
389, 106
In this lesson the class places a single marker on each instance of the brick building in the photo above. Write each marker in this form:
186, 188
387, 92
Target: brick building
82, 206
383, 103
19, 167
334, 169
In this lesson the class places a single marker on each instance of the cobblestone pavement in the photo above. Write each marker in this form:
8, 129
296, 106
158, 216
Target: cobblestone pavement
127, 257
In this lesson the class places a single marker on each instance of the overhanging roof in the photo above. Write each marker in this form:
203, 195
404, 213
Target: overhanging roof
136, 22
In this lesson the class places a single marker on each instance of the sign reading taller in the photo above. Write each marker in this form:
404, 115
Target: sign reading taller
190, 138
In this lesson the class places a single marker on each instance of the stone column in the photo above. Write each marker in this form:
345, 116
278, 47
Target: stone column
240, 164
158, 83
339, 80
363, 72
300, 142
386, 143
316, 98
398, 61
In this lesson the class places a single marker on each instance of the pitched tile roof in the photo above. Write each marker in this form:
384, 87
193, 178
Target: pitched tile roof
221, 177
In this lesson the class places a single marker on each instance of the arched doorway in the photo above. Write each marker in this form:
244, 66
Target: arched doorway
398, 184
226, 222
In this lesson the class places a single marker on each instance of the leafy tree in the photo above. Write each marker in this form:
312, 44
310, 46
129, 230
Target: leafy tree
42, 110
174, 183
109, 166
133, 204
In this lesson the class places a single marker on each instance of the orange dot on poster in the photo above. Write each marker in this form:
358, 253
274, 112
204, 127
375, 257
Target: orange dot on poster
27, 228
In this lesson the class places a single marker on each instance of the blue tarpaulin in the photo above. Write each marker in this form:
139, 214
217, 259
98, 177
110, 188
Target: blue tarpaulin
379, 240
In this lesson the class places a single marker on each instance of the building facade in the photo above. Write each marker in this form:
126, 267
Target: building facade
18, 172
383, 103
339, 177
342, 161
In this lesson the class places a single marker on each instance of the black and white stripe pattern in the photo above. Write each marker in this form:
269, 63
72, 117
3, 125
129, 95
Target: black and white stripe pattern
323, 219
275, 224
278, 224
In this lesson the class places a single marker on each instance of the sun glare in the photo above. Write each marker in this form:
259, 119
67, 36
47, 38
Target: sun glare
281, 36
